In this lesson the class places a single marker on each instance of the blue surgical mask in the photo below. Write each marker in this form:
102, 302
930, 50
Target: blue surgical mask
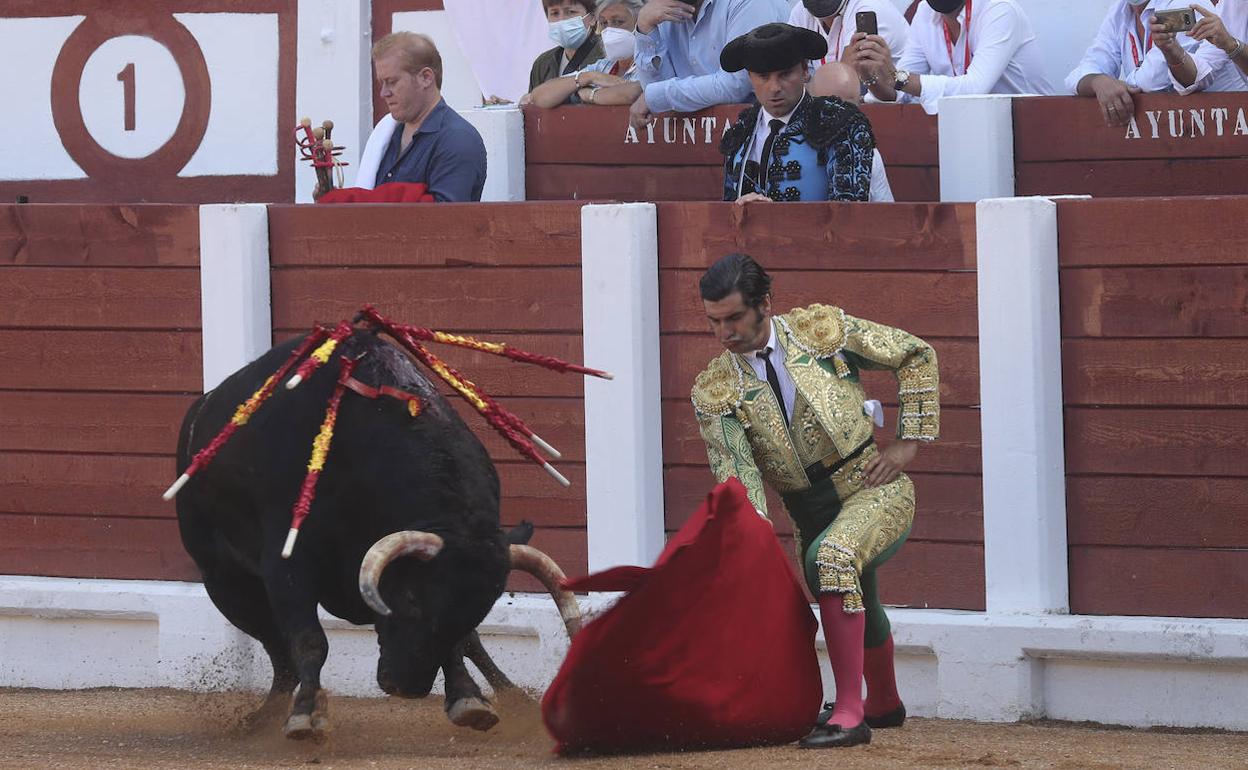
569, 33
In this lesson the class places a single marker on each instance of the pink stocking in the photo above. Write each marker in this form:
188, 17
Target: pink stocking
843, 632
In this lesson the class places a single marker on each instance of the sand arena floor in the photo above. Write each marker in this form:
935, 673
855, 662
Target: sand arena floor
170, 729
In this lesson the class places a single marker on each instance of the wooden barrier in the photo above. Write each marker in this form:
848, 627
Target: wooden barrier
1175, 145
590, 153
1155, 340
908, 265
99, 335
508, 272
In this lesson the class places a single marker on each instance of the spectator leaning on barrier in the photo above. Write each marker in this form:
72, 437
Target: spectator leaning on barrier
839, 79
571, 26
422, 139
1122, 60
792, 146
610, 80
678, 45
1220, 62
836, 21
956, 48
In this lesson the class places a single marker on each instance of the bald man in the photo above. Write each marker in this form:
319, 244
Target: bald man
840, 80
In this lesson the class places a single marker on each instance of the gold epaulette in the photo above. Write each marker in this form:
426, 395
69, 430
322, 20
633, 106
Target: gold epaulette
719, 388
819, 331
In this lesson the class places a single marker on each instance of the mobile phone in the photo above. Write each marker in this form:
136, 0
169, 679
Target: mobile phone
1176, 20
867, 23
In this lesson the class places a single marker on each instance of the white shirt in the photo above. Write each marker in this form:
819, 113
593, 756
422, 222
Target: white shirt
881, 190
1005, 56
1116, 46
891, 23
1214, 69
762, 128
787, 389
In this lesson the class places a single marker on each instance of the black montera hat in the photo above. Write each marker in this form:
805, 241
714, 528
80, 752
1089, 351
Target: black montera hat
772, 47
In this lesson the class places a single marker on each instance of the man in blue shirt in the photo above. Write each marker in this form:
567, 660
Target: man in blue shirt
431, 143
677, 56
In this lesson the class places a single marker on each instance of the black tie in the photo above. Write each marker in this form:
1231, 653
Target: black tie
764, 160
774, 381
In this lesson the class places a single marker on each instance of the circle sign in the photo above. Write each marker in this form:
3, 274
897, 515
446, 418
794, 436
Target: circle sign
131, 96
71, 81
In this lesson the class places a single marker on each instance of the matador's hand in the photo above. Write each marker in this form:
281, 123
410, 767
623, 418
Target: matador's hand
889, 463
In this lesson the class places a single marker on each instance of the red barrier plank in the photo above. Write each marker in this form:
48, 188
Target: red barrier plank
519, 299
87, 547
958, 451
1181, 442
683, 356
1188, 372
1132, 178
1178, 582
114, 486
950, 507
1161, 231
820, 236
934, 575
106, 297
913, 183
560, 421
121, 423
569, 549
101, 360
1155, 302
561, 182
1165, 126
936, 304
441, 235
529, 494
99, 235
1157, 511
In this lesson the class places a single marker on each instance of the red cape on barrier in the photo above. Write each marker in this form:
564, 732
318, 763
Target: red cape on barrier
714, 646
390, 192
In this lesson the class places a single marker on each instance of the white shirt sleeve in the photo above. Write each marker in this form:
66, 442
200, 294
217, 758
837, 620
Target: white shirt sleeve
1104, 57
1000, 39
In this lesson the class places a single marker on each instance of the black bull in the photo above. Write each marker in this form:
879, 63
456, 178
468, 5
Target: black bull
415, 500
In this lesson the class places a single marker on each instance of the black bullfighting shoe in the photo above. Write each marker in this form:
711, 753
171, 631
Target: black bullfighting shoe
834, 736
894, 718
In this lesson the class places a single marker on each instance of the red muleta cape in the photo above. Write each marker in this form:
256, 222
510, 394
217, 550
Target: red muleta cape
714, 646
390, 192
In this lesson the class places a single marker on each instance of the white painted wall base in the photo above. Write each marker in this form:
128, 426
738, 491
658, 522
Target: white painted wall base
58, 633
502, 130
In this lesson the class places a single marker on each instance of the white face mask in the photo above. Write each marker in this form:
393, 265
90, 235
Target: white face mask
569, 33
617, 43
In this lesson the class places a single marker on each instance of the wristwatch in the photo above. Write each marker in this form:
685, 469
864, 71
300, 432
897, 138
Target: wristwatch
900, 79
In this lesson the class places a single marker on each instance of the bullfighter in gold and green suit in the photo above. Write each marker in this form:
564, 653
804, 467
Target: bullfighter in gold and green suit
783, 405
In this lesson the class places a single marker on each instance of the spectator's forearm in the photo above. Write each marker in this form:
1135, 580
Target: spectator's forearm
553, 92
622, 93
1182, 67
1087, 84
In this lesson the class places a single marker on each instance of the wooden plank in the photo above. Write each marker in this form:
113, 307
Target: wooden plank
934, 576
683, 356
113, 486
933, 304
1188, 372
913, 183
99, 235
121, 423
135, 360
562, 182
1204, 125
560, 421
529, 300
905, 135
1128, 178
1160, 231
1155, 302
89, 547
445, 235
958, 450
820, 236
568, 547
1180, 582
1138, 442
1157, 511
530, 494
502, 377
950, 507
104, 297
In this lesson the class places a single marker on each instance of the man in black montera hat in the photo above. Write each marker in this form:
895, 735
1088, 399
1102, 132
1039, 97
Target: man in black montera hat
792, 146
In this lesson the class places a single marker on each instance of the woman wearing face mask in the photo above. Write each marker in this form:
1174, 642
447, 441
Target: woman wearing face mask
571, 27
956, 48
610, 80
836, 21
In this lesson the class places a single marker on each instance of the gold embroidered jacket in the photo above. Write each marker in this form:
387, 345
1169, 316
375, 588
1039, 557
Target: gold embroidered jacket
741, 422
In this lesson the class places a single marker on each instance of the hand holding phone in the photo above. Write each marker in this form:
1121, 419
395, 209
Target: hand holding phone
867, 23
1176, 20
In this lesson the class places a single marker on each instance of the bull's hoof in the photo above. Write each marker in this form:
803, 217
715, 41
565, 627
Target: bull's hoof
300, 727
472, 712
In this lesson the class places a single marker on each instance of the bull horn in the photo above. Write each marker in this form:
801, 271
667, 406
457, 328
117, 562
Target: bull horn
528, 559
425, 545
